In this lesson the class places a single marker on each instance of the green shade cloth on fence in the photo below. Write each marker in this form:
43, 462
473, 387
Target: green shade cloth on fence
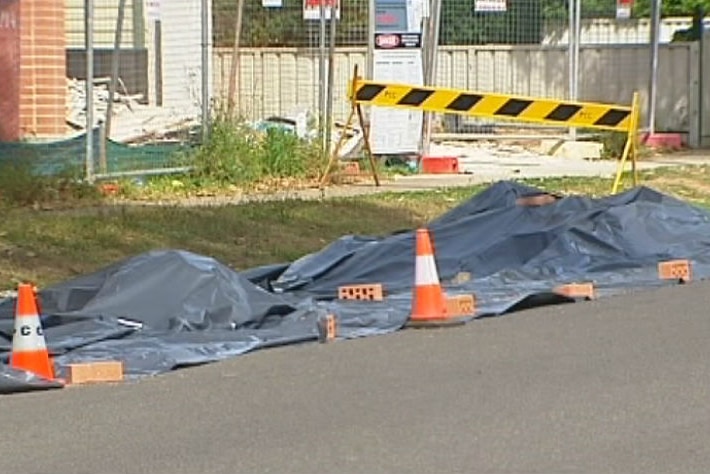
60, 156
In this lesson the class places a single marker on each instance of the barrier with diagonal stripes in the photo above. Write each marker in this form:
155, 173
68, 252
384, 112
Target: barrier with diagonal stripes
592, 115
529, 109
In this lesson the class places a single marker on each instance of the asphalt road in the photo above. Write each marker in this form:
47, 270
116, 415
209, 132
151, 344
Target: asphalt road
619, 385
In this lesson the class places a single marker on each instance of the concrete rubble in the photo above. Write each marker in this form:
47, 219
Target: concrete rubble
131, 120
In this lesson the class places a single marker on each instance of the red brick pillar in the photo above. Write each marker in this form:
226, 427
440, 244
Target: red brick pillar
10, 70
42, 68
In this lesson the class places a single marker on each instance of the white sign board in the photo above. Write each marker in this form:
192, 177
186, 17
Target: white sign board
311, 9
396, 131
152, 10
623, 9
490, 5
271, 3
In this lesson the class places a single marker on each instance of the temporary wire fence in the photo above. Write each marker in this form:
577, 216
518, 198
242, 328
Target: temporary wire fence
157, 70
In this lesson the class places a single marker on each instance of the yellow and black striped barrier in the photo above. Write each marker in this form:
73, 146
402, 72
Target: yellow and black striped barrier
612, 117
529, 109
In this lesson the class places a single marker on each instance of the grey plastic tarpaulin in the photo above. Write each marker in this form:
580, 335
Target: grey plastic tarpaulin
165, 309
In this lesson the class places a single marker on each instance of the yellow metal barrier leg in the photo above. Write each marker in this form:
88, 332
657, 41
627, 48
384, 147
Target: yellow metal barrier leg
620, 167
354, 109
336, 150
630, 148
635, 111
368, 150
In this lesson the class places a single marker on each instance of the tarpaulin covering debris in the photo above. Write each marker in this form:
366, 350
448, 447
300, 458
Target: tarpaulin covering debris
166, 309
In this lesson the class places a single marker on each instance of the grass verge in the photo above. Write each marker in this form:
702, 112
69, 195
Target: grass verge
51, 246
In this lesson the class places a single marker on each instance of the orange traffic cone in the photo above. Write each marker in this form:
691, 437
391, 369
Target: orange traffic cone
428, 299
29, 350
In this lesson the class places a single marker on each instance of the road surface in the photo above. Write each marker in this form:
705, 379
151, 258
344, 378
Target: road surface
616, 385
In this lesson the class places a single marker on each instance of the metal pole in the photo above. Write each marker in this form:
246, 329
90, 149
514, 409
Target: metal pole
427, 31
138, 25
571, 41
701, 66
577, 45
158, 41
654, 39
115, 58
370, 67
331, 73
235, 69
431, 70
321, 73
577, 32
428, 43
89, 45
205, 69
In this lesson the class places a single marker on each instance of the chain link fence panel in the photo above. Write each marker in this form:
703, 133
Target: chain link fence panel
145, 92
502, 47
148, 71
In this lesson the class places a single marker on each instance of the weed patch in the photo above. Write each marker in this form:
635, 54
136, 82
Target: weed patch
20, 186
236, 154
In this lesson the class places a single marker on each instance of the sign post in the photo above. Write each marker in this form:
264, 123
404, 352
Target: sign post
153, 14
397, 56
323, 11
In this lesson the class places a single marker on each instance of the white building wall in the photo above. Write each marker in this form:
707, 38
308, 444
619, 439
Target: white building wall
182, 53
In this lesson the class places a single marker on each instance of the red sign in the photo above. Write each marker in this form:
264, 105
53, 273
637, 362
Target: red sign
623, 9
316, 3
387, 41
386, 19
10, 70
311, 9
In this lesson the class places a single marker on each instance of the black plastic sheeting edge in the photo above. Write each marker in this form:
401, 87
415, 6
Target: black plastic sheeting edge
166, 309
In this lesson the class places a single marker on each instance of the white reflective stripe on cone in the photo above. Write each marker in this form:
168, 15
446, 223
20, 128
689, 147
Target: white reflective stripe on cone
28, 335
425, 271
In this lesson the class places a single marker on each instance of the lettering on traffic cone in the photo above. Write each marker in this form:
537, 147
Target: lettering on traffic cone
29, 350
428, 302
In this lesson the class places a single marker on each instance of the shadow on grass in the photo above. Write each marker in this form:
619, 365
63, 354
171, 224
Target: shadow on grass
47, 247
50, 247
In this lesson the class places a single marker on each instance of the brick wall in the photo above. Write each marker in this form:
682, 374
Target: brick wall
42, 68
9, 70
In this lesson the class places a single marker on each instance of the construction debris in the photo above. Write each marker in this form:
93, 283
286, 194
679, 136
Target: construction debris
132, 121
76, 100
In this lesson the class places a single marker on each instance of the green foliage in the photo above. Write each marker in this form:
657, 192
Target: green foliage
557, 9
613, 144
523, 23
642, 8
20, 186
695, 32
237, 154
285, 26
228, 153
